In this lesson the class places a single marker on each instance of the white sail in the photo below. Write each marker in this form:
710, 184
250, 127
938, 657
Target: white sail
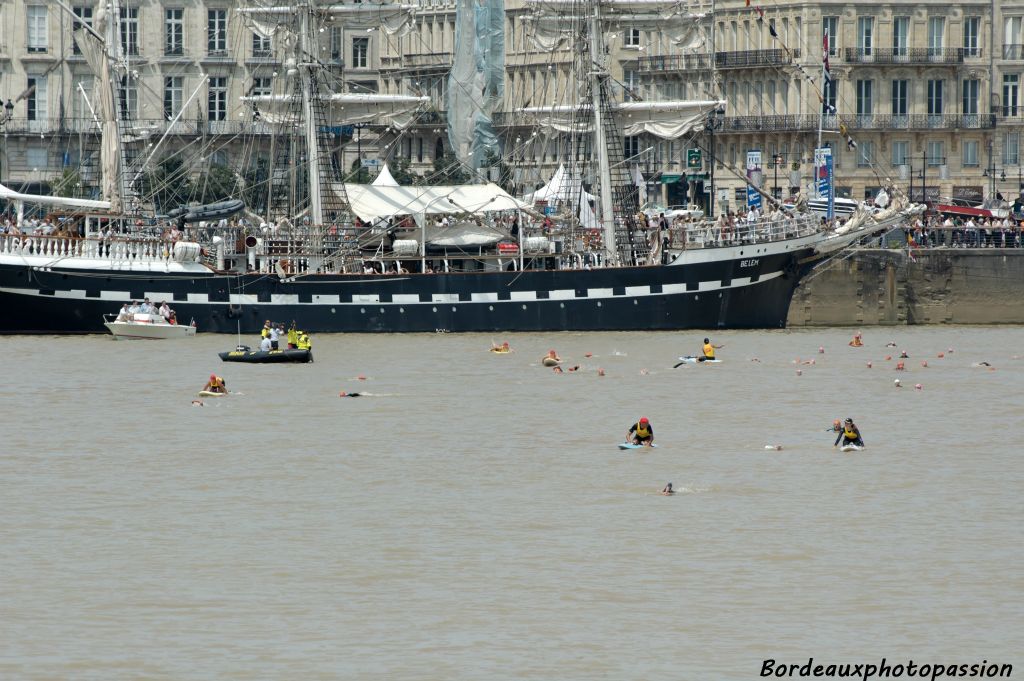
371, 203
344, 109
667, 120
94, 51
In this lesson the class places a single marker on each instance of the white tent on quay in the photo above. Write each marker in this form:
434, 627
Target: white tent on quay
384, 178
563, 188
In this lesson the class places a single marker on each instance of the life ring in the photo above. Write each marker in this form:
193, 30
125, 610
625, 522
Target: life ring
550, 362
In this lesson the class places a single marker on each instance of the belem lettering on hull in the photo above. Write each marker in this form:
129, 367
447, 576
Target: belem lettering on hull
700, 295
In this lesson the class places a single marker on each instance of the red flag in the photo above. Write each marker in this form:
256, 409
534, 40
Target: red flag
748, 3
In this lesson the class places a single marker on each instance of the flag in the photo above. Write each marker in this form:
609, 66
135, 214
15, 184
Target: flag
771, 29
824, 58
748, 3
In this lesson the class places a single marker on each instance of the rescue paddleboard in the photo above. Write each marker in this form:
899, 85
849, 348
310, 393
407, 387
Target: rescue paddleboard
207, 393
690, 359
630, 445
850, 448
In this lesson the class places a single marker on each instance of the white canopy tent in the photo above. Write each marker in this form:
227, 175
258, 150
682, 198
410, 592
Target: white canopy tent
371, 202
562, 187
384, 178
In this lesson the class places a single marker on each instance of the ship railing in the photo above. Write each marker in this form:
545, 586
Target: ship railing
114, 248
764, 230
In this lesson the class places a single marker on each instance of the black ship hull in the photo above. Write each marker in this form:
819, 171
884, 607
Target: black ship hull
724, 292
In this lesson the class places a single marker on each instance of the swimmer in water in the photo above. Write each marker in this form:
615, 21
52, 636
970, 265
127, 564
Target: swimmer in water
345, 394
667, 491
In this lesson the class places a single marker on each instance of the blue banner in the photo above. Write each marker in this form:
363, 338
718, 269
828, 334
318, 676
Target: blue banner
823, 179
753, 178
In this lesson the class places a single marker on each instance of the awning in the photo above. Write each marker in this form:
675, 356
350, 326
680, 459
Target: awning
371, 203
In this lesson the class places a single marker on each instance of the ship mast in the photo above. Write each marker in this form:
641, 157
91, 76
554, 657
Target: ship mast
308, 72
598, 74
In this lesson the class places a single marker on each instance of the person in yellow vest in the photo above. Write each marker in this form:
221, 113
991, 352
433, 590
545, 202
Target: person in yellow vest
293, 337
850, 435
708, 351
641, 432
215, 385
303, 342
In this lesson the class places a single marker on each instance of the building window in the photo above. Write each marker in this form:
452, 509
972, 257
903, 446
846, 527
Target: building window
972, 25
1011, 88
900, 36
1011, 149
865, 154
631, 38
935, 97
173, 91
35, 98
130, 30
900, 153
83, 16
419, 150
1011, 38
337, 43
217, 31
217, 99
128, 98
865, 105
630, 146
900, 88
936, 36
936, 154
260, 45
970, 157
360, 53
262, 86
174, 32
38, 29
865, 35
970, 100
830, 27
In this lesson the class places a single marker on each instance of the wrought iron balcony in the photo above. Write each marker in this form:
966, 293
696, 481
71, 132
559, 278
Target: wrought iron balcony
748, 58
673, 62
784, 123
809, 122
907, 55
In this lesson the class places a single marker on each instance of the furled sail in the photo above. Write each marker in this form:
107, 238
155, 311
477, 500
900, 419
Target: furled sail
94, 51
344, 109
667, 120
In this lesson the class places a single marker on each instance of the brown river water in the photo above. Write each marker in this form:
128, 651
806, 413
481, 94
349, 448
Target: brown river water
474, 519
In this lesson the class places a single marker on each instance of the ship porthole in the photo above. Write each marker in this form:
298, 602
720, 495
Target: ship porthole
362, 310
524, 306
490, 308
561, 305
636, 302
333, 310
599, 303
719, 295
696, 297
453, 309
402, 310
433, 309
741, 252
382, 310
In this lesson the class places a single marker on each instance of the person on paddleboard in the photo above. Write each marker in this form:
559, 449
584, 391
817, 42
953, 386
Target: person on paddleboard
850, 435
667, 491
709, 351
215, 385
641, 433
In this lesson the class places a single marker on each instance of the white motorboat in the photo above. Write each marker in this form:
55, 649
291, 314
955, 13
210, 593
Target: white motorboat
150, 326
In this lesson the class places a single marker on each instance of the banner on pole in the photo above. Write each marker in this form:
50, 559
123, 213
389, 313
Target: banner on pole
823, 179
753, 178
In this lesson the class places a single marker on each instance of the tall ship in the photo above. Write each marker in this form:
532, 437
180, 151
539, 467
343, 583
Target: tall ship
345, 257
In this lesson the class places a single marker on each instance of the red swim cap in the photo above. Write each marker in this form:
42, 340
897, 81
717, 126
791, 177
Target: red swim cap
643, 419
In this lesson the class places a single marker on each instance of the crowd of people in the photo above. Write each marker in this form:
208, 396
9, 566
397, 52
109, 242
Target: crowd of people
272, 333
938, 231
129, 310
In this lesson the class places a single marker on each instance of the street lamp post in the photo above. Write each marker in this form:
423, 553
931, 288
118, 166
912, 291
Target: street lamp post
713, 122
776, 162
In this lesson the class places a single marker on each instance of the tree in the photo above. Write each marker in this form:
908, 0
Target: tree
217, 183
67, 184
399, 168
448, 170
493, 160
167, 185
359, 174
